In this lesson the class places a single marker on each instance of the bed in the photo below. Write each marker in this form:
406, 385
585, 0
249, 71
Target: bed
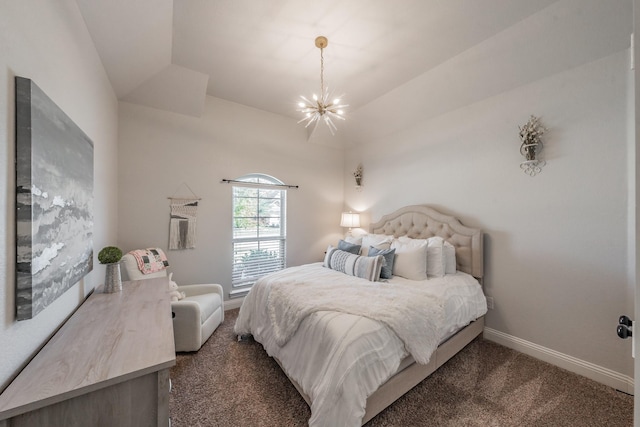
349, 363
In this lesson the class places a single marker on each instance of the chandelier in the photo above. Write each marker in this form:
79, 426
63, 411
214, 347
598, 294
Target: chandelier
321, 107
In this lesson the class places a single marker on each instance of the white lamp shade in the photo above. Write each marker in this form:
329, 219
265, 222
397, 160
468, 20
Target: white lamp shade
350, 220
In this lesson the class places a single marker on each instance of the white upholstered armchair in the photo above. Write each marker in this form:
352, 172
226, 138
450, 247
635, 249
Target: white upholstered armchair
196, 316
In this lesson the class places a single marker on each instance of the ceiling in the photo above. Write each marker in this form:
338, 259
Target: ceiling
169, 54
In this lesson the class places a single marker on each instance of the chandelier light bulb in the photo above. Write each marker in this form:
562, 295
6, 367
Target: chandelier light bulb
320, 107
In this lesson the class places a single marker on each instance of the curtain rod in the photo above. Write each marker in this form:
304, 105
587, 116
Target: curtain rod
256, 184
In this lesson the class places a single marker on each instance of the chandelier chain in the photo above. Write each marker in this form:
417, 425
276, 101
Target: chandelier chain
321, 73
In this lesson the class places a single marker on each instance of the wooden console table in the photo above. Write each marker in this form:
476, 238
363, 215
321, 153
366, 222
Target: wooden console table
108, 365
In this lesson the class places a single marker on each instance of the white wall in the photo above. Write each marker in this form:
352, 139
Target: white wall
556, 244
159, 151
48, 42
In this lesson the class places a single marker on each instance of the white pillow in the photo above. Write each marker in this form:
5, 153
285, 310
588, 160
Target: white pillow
436, 264
435, 257
411, 259
411, 243
450, 265
353, 239
379, 241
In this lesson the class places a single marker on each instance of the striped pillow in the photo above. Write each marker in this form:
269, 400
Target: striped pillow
354, 265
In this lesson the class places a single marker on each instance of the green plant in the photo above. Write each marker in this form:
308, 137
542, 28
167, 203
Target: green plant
109, 255
259, 262
259, 255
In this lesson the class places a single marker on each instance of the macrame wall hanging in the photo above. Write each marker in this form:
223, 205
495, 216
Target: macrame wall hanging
182, 223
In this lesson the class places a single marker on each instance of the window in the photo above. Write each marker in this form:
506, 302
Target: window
259, 230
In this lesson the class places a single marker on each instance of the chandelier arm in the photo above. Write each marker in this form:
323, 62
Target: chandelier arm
329, 123
315, 126
336, 115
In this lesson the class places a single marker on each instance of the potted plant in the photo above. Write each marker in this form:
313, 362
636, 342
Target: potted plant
111, 256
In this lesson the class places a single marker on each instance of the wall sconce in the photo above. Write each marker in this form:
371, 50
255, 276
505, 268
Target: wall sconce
358, 176
531, 147
350, 219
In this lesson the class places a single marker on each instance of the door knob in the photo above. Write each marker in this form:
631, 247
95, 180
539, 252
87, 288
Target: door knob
624, 332
625, 327
624, 320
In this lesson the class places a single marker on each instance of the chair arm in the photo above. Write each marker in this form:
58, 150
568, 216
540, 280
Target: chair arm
193, 290
186, 311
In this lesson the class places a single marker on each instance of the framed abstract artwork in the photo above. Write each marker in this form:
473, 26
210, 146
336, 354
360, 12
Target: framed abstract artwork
54, 201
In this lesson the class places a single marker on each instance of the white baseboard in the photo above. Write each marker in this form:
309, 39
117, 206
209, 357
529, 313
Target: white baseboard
586, 369
230, 304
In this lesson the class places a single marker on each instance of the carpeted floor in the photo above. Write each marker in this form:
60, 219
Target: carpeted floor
231, 383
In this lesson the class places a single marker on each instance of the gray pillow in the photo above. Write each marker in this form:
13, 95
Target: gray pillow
349, 247
389, 256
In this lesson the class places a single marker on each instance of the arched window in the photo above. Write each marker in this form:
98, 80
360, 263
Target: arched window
259, 229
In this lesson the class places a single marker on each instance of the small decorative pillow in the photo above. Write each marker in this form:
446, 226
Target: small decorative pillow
354, 265
352, 248
450, 265
380, 241
389, 256
410, 260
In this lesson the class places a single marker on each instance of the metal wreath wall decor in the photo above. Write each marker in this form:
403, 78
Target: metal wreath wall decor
531, 146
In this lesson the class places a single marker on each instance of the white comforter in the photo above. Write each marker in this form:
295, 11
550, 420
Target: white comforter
339, 359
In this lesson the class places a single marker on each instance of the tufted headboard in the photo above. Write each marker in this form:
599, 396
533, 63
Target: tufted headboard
422, 222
